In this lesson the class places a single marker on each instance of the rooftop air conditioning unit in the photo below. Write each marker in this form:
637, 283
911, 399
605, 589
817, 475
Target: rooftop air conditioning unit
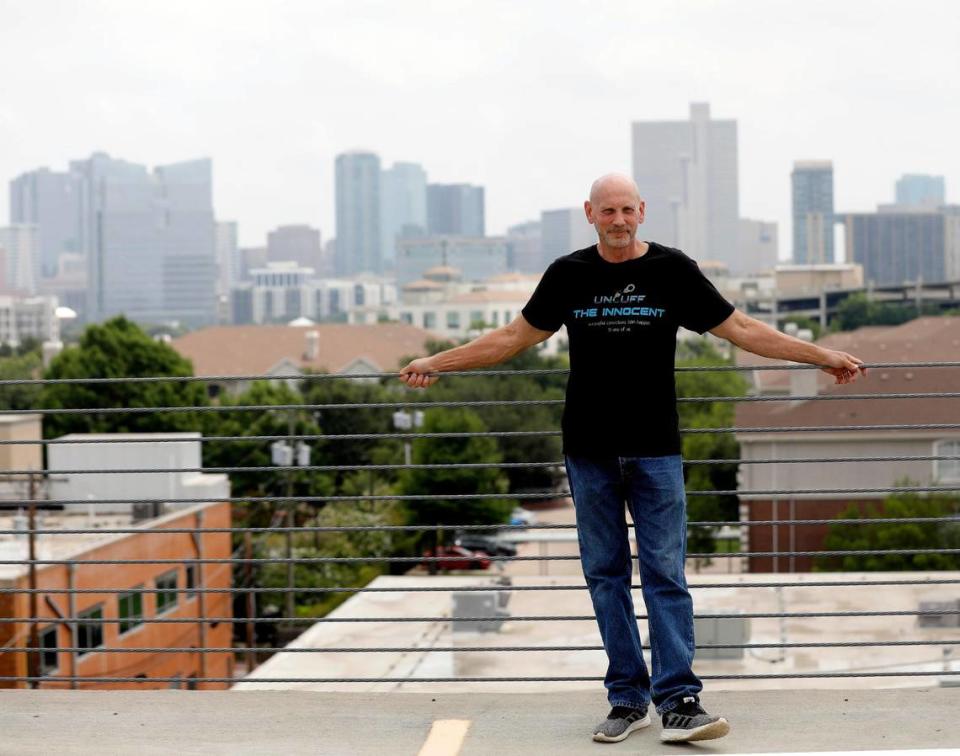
927, 618
721, 631
482, 605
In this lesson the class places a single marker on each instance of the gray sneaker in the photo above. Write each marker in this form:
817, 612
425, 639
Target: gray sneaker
620, 722
689, 721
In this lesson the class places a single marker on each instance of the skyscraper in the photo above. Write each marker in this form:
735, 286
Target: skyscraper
918, 190
562, 232
148, 239
51, 201
299, 244
905, 246
229, 264
403, 206
358, 213
455, 209
757, 244
687, 174
812, 193
21, 257
525, 247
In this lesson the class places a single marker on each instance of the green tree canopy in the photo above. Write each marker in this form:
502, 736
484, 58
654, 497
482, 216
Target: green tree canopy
895, 535
119, 348
711, 446
455, 480
857, 310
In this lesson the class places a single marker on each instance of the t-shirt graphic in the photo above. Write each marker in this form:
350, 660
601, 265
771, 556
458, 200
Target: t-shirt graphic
622, 321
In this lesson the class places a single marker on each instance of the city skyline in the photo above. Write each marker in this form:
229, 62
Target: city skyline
532, 149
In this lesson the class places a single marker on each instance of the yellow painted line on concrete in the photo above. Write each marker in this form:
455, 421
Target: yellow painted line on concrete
445, 738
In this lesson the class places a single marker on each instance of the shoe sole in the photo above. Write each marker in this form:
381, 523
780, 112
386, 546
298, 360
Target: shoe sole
599, 737
704, 732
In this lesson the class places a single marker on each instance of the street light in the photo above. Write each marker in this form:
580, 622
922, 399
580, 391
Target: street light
284, 454
404, 421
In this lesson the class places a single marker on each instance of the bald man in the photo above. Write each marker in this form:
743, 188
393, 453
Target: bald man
622, 301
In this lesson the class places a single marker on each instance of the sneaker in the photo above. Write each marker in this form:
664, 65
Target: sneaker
620, 722
689, 721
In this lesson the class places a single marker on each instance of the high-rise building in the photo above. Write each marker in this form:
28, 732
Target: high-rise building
149, 240
919, 190
455, 210
525, 247
757, 247
907, 246
229, 264
50, 201
299, 244
403, 206
687, 174
358, 213
562, 232
21, 257
812, 190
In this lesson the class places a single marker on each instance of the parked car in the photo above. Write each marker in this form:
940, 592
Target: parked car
459, 558
486, 543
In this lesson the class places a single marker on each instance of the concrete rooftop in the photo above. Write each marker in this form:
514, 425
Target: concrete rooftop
299, 722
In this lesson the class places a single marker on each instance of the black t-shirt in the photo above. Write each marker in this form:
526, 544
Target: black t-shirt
622, 321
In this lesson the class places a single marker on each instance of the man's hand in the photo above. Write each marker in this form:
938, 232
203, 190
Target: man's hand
419, 373
844, 367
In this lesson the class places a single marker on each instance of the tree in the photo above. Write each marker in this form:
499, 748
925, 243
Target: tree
895, 535
509, 418
858, 310
709, 446
455, 480
20, 367
355, 421
118, 348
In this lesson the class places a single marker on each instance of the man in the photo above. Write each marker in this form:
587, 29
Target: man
622, 301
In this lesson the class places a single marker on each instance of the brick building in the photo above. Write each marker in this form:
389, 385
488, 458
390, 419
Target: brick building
140, 600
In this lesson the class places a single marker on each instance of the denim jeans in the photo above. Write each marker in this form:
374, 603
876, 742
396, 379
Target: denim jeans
652, 488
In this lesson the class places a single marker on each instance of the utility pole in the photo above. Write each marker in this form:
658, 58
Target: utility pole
291, 579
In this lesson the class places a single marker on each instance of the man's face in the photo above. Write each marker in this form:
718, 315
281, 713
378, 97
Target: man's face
615, 214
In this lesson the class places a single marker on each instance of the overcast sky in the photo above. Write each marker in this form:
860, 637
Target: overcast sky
531, 99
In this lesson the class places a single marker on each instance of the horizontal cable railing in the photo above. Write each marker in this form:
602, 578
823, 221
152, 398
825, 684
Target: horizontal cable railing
58, 610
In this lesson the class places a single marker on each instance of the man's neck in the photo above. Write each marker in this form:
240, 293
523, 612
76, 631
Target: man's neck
622, 254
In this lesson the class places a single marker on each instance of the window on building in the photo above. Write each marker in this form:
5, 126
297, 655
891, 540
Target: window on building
191, 577
406, 317
48, 644
130, 609
476, 318
947, 470
166, 593
453, 319
429, 320
90, 634
496, 317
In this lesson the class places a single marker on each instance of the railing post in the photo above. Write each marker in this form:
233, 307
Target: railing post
33, 658
201, 595
251, 603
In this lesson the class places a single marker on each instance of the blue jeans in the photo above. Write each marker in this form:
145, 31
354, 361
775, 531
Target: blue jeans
652, 488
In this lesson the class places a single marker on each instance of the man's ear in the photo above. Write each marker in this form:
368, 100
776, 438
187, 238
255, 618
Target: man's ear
641, 211
588, 209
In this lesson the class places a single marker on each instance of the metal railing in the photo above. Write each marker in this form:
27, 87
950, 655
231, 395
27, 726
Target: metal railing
31, 653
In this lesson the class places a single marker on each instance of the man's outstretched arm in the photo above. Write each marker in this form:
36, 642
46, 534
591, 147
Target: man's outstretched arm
758, 337
489, 349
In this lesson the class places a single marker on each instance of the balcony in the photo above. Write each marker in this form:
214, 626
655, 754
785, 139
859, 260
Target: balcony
159, 577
